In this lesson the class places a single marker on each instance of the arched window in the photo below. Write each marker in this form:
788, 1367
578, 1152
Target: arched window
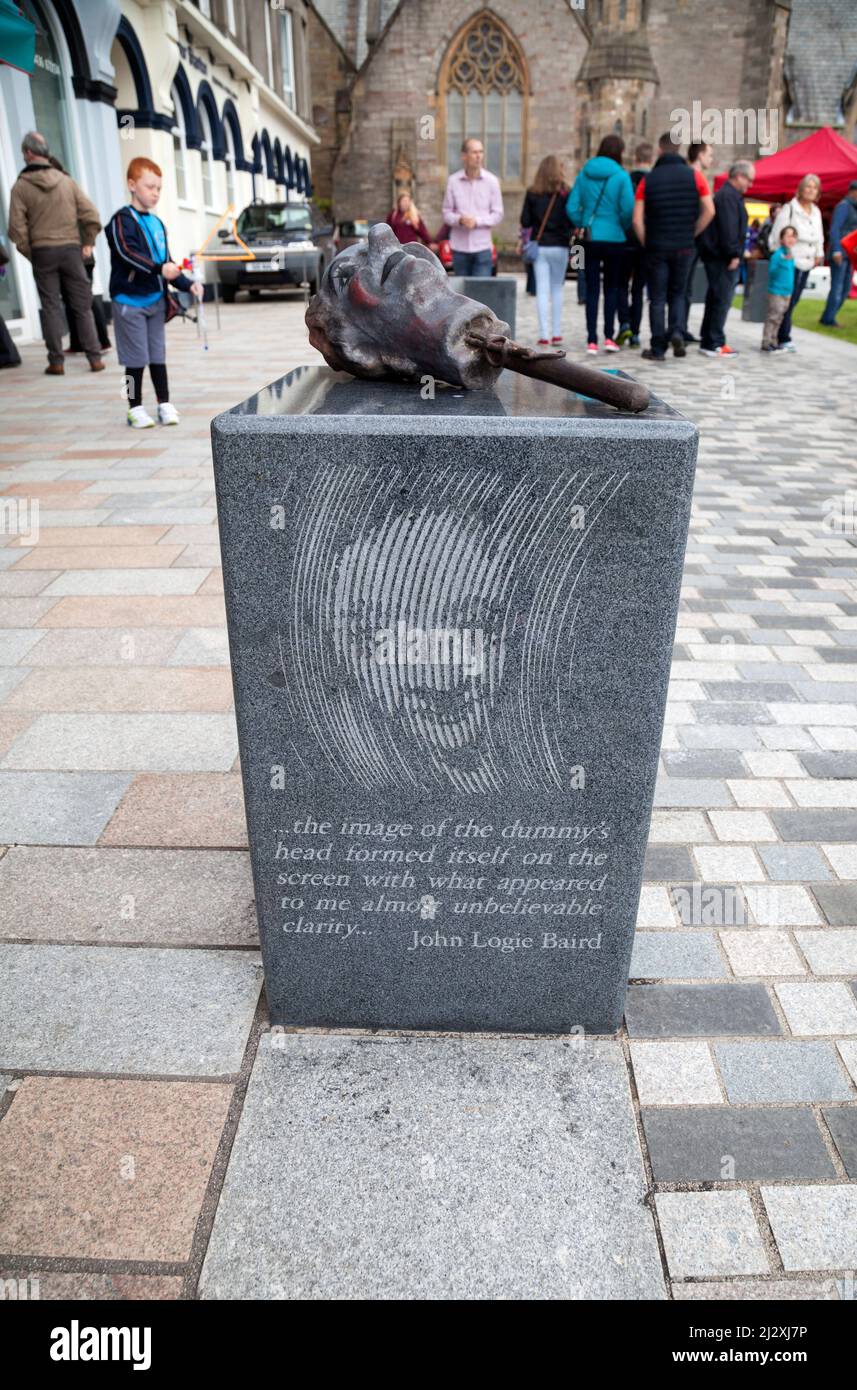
230, 161
50, 89
484, 83
206, 149
179, 146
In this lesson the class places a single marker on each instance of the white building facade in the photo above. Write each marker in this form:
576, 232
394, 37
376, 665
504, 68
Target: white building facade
216, 93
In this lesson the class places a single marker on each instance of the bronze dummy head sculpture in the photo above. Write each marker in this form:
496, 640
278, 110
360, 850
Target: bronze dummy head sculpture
386, 311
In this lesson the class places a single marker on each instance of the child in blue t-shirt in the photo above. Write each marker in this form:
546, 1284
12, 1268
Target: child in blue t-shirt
141, 266
781, 283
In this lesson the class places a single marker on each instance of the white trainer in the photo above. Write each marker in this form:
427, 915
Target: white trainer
167, 414
139, 418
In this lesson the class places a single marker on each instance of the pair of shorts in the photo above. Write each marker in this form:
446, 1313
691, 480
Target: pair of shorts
139, 333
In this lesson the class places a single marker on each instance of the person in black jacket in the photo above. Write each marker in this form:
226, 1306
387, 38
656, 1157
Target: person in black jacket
672, 205
141, 266
721, 247
544, 212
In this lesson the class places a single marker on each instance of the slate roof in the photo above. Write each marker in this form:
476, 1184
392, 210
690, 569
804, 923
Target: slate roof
821, 59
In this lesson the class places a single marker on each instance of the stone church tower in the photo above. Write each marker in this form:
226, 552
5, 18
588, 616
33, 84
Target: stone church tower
397, 86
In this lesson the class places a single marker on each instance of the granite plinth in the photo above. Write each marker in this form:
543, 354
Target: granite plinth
498, 292
698, 284
755, 306
451, 624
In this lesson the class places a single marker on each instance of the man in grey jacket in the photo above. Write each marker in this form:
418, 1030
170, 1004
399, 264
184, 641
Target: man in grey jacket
46, 214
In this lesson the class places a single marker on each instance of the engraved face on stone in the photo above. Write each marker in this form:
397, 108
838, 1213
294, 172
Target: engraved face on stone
426, 648
427, 631
384, 310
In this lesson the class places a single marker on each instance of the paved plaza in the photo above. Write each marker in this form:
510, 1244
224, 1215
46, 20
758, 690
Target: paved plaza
136, 1148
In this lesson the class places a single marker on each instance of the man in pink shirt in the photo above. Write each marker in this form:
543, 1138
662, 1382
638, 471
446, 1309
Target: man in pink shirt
472, 205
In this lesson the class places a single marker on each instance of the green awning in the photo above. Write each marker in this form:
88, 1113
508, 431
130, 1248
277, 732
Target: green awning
17, 38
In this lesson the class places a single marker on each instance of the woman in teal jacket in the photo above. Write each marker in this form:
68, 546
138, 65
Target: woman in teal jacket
602, 203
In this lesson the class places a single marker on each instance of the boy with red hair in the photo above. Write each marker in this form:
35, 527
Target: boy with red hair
140, 269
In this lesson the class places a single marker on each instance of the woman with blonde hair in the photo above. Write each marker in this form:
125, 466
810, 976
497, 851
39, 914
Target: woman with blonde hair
545, 217
803, 214
406, 221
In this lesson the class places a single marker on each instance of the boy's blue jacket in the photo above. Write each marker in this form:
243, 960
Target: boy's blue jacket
132, 269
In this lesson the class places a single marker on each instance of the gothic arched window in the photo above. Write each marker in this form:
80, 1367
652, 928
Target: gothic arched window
483, 81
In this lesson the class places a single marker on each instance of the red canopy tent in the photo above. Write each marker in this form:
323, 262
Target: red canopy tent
824, 152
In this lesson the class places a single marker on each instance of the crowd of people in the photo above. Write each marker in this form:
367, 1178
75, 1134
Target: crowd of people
645, 231
636, 232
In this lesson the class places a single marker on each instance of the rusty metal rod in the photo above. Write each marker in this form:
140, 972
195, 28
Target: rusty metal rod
555, 367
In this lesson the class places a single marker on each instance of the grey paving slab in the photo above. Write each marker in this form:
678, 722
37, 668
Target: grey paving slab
160, 516
58, 808
667, 863
150, 896
794, 863
766, 671
750, 691
842, 1123
141, 646
128, 581
722, 736
724, 1144
834, 826
758, 1290
830, 952
124, 1010
676, 955
734, 715
838, 902
826, 765
477, 1168
709, 904
814, 1227
662, 1011
818, 1008
674, 1073
828, 692
710, 1233
690, 791
10, 556
10, 677
127, 742
15, 643
201, 646
704, 763
782, 1071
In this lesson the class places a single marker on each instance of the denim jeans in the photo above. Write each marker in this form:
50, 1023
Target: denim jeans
785, 333
595, 255
667, 273
718, 300
632, 285
688, 294
840, 285
551, 266
476, 263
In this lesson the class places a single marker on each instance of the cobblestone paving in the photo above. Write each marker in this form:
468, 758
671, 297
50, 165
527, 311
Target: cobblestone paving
118, 768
